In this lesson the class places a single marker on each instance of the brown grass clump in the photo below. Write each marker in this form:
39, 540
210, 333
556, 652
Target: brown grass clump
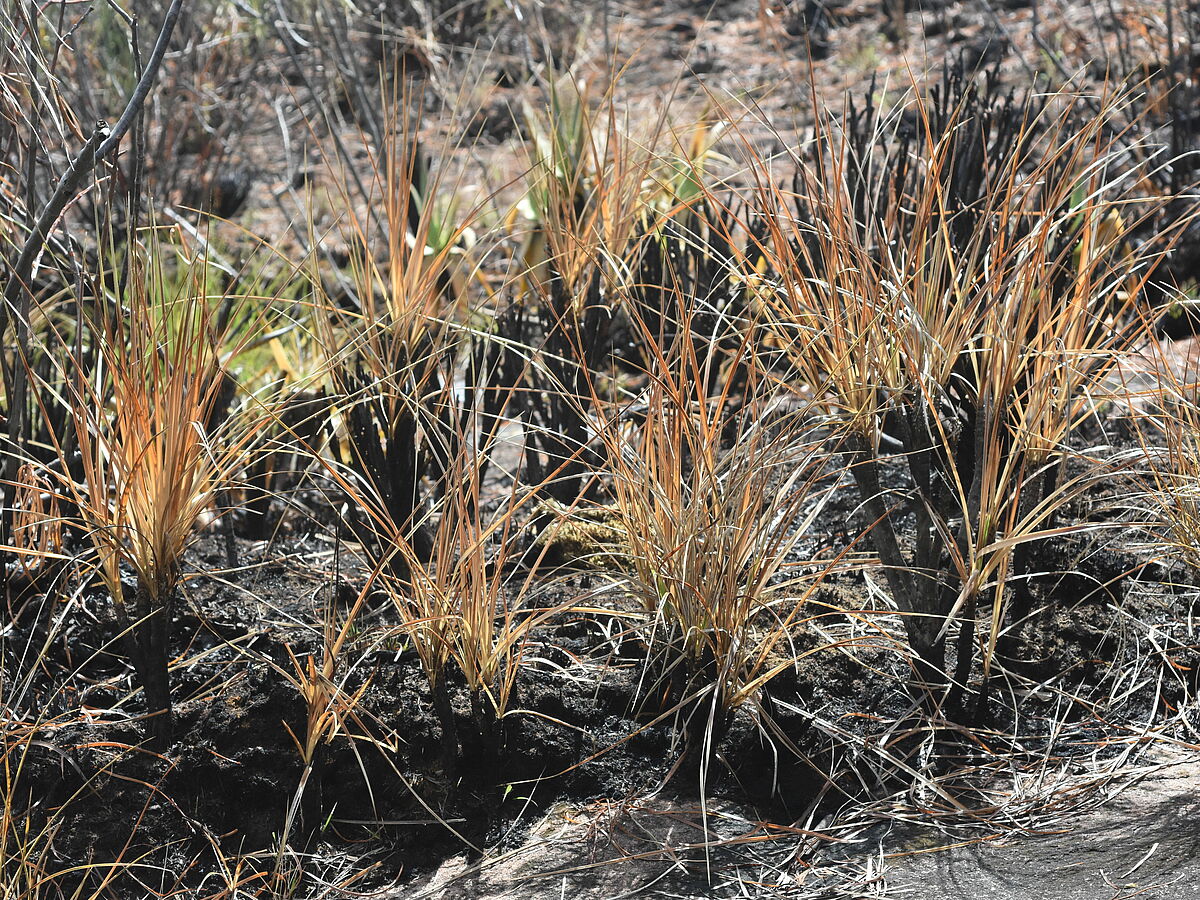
961, 290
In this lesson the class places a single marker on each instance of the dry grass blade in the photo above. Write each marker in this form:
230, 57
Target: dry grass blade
37, 527
31, 867
468, 605
713, 491
396, 347
156, 444
592, 178
1167, 422
961, 294
418, 406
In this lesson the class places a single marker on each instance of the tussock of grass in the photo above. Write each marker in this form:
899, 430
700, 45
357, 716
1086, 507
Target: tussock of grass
961, 291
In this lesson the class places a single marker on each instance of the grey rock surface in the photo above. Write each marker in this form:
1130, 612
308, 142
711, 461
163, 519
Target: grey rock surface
1144, 843
598, 852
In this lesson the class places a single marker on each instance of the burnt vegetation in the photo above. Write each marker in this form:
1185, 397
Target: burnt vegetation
373, 485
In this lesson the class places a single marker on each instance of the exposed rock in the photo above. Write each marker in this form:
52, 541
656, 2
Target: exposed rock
1144, 842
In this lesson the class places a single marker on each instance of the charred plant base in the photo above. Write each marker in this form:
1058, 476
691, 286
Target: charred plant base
589, 724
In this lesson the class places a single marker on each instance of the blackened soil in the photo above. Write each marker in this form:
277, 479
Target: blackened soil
591, 717
584, 723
